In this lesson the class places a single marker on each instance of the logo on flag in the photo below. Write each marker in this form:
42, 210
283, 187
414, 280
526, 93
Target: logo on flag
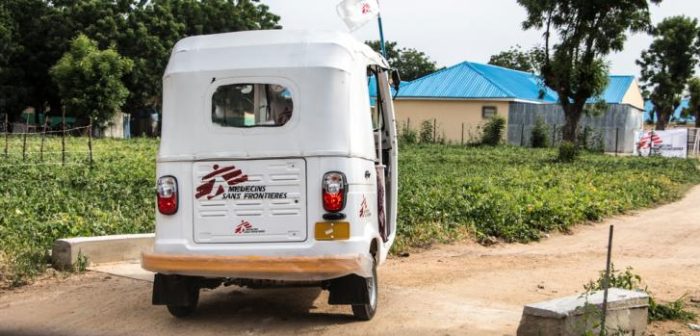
356, 13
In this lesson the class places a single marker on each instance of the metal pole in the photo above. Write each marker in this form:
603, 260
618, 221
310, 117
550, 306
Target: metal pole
606, 282
7, 133
617, 137
24, 139
63, 137
90, 141
43, 136
381, 35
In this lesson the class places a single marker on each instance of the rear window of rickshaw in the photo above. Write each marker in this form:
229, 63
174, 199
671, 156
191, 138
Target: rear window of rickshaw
251, 105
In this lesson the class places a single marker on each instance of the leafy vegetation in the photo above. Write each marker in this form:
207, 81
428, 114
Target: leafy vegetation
446, 193
516, 194
539, 138
411, 63
493, 131
675, 310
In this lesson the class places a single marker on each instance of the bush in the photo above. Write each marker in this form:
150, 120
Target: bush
407, 135
568, 151
427, 132
539, 137
493, 131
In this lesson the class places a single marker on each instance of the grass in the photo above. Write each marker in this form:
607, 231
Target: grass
446, 193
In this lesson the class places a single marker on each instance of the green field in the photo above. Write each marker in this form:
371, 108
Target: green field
446, 193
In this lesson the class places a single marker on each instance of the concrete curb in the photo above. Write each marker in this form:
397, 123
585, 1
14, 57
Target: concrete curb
103, 249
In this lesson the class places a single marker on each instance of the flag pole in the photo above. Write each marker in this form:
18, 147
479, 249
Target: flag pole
381, 35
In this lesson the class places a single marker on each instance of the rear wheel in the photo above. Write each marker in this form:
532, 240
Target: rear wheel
365, 312
181, 311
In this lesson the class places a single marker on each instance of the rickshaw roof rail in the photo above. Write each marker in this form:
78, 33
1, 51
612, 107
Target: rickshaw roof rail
270, 49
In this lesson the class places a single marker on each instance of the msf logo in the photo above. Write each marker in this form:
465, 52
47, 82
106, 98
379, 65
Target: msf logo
230, 175
243, 227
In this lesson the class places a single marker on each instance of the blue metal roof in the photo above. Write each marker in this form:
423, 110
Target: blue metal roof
649, 108
468, 80
616, 89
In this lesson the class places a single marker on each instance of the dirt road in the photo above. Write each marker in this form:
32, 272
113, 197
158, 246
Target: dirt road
461, 289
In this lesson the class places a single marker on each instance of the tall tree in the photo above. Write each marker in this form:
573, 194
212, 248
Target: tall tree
90, 80
694, 104
410, 62
577, 37
518, 59
669, 63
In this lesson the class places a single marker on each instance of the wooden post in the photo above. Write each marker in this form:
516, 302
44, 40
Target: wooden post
617, 137
606, 282
435, 130
43, 136
462, 143
63, 137
408, 124
7, 133
90, 141
554, 135
24, 139
522, 136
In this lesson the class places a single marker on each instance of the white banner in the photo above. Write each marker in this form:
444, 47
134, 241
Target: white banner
669, 143
356, 13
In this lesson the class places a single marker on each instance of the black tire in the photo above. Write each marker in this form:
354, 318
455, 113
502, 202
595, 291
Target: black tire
365, 312
185, 311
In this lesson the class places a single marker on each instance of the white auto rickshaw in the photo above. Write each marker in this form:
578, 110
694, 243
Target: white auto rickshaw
274, 168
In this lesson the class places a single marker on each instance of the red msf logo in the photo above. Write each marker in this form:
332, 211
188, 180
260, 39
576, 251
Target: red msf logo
366, 8
231, 176
243, 227
648, 139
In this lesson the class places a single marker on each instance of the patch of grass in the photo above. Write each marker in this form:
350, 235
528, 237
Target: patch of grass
40, 202
517, 194
675, 311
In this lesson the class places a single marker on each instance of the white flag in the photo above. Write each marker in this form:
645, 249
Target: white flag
356, 13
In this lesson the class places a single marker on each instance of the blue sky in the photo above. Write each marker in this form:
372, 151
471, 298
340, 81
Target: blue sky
452, 31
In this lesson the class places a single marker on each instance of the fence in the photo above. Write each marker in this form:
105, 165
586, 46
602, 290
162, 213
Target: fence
694, 142
604, 139
34, 141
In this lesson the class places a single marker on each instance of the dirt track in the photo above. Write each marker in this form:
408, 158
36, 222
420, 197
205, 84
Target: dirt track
462, 289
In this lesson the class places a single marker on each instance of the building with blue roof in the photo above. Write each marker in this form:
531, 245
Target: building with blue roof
461, 98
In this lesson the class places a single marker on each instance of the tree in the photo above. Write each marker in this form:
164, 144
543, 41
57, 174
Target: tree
410, 62
694, 104
90, 80
144, 31
518, 59
577, 36
669, 63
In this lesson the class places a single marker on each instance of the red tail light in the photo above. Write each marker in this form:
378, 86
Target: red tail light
334, 190
166, 191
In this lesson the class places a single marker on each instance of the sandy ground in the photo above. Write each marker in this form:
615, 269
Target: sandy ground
460, 289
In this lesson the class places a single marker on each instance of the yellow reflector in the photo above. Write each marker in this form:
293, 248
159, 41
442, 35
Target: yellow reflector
332, 230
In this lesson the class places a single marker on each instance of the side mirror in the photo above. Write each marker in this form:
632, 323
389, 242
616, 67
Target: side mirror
395, 80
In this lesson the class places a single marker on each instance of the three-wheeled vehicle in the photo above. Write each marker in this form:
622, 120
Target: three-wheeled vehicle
276, 167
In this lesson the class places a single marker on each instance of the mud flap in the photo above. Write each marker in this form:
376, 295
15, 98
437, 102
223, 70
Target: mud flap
351, 289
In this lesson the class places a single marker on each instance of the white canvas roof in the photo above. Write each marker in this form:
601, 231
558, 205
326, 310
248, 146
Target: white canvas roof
270, 49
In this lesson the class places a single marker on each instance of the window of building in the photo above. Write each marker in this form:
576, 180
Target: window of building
251, 105
488, 112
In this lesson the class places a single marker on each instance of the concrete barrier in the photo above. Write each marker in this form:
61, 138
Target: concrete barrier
103, 249
627, 314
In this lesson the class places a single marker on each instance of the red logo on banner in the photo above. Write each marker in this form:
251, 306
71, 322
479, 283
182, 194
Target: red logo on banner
648, 139
230, 175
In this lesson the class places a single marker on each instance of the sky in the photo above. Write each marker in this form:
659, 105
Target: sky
452, 31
